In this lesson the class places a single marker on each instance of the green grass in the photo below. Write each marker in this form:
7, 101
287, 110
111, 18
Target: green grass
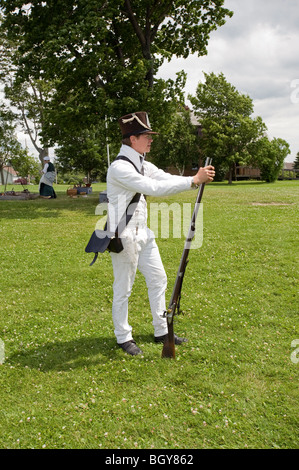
65, 383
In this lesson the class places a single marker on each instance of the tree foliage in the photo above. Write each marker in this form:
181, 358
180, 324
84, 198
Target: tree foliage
104, 55
296, 162
11, 151
177, 145
270, 156
229, 133
86, 152
28, 101
9, 145
26, 165
27, 97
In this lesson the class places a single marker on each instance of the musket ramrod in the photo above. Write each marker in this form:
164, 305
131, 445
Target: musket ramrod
174, 303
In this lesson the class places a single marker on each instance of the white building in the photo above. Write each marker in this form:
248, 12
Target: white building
8, 175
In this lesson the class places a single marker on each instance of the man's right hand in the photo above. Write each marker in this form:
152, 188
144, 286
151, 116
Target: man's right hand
204, 175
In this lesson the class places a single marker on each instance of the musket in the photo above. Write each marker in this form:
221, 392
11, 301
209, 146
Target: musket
174, 303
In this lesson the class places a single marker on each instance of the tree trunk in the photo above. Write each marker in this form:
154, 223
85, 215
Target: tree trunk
44, 152
230, 174
144, 38
1, 175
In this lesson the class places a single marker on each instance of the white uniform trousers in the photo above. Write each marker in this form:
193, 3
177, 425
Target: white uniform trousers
140, 252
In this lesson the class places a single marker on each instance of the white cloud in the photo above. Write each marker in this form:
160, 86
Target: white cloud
257, 51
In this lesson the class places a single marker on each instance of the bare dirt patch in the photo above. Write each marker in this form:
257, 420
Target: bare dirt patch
272, 203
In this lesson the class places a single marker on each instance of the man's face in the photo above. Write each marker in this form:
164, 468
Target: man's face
141, 143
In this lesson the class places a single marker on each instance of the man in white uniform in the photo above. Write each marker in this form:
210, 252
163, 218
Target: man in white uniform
140, 249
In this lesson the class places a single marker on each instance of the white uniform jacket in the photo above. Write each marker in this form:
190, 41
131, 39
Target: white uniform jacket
123, 182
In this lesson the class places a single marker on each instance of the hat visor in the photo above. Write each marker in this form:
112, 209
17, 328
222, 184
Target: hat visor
148, 132
145, 131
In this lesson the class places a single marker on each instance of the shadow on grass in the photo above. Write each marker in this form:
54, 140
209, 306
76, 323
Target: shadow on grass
75, 354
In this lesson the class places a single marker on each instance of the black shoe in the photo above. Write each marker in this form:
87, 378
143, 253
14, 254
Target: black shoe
130, 347
177, 340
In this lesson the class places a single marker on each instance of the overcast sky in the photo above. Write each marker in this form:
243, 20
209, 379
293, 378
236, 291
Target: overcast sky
257, 51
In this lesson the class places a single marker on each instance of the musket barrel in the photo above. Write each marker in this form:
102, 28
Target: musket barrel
168, 348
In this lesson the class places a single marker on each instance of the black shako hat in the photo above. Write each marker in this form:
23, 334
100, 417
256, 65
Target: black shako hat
135, 124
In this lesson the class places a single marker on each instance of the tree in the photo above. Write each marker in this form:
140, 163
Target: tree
26, 165
270, 156
86, 152
296, 162
27, 98
11, 151
228, 131
105, 58
9, 145
177, 145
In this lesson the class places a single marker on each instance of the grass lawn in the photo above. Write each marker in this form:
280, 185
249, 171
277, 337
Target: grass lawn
64, 382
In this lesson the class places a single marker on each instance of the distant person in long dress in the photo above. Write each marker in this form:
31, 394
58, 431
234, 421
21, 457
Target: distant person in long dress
46, 190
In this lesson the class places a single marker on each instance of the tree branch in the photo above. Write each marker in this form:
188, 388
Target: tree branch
134, 23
